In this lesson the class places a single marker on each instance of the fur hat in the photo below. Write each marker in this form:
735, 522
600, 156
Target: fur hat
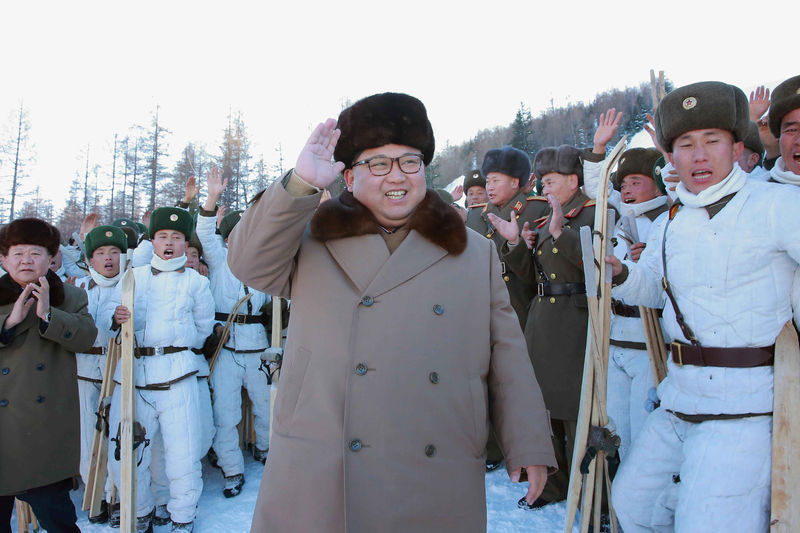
509, 161
229, 222
474, 179
657, 167
131, 235
172, 218
752, 141
564, 159
704, 105
30, 231
388, 118
445, 196
126, 223
141, 228
636, 161
785, 98
105, 236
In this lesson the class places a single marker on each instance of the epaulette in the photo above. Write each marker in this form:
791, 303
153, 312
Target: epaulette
537, 199
674, 210
575, 211
541, 221
478, 205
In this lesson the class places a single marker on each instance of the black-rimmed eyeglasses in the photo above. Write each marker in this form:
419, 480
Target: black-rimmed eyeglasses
381, 165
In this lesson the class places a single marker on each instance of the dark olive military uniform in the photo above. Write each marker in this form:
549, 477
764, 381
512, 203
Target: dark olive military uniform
532, 210
556, 328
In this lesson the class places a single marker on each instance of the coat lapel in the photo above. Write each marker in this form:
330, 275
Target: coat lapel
361, 268
413, 256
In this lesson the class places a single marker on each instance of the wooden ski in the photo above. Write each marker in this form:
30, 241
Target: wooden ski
275, 355
95, 485
26, 520
785, 512
127, 486
226, 331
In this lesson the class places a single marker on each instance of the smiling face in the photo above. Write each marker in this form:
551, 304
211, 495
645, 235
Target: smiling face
704, 158
26, 263
501, 188
169, 244
105, 260
790, 141
390, 198
638, 188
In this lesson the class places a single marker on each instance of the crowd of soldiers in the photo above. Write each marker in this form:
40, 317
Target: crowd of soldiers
709, 203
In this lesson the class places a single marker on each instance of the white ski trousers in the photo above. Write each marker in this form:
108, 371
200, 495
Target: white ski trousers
173, 416
629, 378
89, 398
233, 371
703, 477
207, 429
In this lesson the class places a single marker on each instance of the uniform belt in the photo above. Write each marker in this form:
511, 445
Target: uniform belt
631, 311
158, 350
686, 354
239, 319
560, 289
244, 351
97, 350
628, 344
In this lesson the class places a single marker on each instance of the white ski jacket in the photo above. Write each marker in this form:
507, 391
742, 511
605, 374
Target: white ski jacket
92, 366
731, 276
227, 289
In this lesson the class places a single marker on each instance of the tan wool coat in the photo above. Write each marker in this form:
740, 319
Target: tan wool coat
383, 406
39, 418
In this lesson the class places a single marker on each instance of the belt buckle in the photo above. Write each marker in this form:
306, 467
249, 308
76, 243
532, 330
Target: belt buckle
680, 355
158, 350
502, 267
540, 289
103, 350
240, 319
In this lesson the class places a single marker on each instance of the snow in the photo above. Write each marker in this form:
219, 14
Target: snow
216, 513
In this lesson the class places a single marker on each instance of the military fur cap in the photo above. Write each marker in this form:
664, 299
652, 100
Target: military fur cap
131, 235
752, 141
105, 236
564, 159
657, 167
388, 118
141, 228
445, 196
699, 106
785, 99
126, 223
636, 161
509, 161
474, 178
228, 222
30, 231
172, 218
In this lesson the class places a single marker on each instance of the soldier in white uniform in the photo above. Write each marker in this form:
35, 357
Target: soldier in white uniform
104, 248
239, 361
702, 461
174, 312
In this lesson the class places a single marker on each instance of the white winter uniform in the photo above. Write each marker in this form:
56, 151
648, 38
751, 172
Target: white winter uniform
170, 309
232, 370
780, 174
90, 371
731, 276
630, 375
142, 254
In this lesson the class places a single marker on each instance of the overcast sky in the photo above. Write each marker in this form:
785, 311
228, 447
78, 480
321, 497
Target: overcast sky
89, 69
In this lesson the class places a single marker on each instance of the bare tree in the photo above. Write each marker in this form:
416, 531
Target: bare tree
19, 151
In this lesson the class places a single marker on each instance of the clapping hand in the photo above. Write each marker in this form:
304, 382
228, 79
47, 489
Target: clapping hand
314, 164
509, 229
557, 218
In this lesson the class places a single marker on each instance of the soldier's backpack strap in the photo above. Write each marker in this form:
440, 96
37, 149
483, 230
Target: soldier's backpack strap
249, 305
685, 329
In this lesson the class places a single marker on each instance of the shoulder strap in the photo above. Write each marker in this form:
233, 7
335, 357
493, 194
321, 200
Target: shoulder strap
249, 305
685, 329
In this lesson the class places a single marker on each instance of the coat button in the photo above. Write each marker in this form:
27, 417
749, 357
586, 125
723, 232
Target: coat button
506, 278
40, 366
552, 300
355, 445
434, 377
40, 399
67, 334
538, 252
552, 276
430, 450
367, 300
438, 309
361, 369
5, 371
555, 250
3, 403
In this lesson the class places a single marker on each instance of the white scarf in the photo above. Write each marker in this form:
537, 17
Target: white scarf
635, 210
167, 265
103, 281
732, 183
781, 175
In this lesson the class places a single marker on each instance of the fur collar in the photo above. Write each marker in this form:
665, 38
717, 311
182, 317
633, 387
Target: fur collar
345, 216
10, 291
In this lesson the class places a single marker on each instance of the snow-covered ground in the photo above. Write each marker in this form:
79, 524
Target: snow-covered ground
216, 514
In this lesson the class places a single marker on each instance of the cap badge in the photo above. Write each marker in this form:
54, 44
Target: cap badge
689, 103
173, 217
109, 234
123, 223
658, 171
797, 91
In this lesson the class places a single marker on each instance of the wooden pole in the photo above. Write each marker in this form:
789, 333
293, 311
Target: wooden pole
128, 419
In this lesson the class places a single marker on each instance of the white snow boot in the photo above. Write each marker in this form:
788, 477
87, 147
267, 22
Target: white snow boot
187, 527
161, 517
233, 485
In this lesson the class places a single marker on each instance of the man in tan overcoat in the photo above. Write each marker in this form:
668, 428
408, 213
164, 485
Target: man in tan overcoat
43, 322
382, 414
